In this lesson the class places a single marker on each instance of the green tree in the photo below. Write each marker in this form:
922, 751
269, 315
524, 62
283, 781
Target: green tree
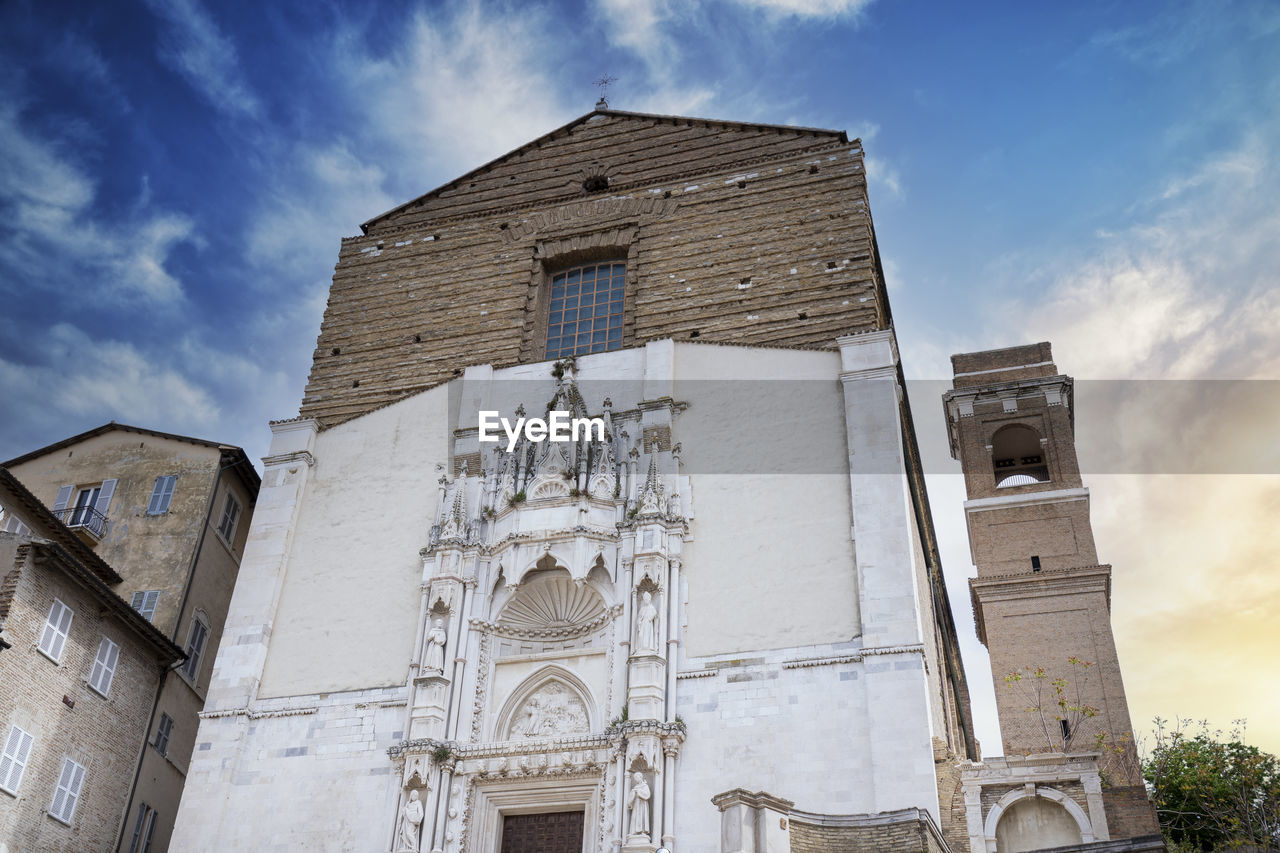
1213, 793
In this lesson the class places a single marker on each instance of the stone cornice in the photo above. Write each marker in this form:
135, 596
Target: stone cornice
1027, 499
257, 715
303, 456
853, 657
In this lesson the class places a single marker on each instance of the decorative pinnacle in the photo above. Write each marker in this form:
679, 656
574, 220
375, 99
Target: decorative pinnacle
651, 481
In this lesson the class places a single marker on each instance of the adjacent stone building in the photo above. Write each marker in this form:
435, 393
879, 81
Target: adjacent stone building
716, 623
168, 515
1069, 774
79, 670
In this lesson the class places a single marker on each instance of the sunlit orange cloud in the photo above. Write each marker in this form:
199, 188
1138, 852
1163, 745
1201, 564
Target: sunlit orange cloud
1196, 596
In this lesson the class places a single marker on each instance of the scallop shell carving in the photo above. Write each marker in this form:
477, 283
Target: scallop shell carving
551, 602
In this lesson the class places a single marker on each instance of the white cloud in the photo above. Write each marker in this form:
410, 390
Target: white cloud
1182, 28
642, 27
78, 378
809, 8
463, 87
321, 197
881, 175
1186, 292
194, 46
56, 230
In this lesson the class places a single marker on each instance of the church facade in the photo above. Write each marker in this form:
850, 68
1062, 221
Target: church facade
710, 619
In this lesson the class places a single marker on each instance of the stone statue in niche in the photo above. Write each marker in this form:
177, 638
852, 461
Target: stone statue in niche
410, 822
552, 710
647, 624
638, 804
435, 647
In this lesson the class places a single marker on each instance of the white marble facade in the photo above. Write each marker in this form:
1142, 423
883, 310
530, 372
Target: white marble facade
429, 633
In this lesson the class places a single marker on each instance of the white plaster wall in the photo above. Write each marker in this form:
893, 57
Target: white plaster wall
797, 733
316, 781
771, 562
349, 605
770, 565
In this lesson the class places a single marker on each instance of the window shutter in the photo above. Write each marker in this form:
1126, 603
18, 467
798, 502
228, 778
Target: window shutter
195, 648
102, 504
13, 524
65, 798
64, 498
144, 601
104, 666
56, 629
161, 495
163, 732
151, 830
143, 808
13, 762
230, 512
153, 505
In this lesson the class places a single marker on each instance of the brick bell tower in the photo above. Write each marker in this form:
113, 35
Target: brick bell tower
1040, 596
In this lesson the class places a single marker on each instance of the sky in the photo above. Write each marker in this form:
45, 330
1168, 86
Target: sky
175, 177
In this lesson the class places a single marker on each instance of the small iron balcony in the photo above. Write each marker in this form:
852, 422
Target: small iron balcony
83, 519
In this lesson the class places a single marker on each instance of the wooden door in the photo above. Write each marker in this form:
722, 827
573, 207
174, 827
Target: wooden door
555, 832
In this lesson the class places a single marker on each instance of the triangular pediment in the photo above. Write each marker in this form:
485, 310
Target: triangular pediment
602, 153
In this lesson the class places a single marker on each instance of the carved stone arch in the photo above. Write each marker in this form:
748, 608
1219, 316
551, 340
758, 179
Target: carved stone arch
1023, 793
601, 579
562, 688
651, 571
559, 557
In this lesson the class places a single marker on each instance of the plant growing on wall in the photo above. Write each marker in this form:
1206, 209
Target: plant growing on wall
1058, 704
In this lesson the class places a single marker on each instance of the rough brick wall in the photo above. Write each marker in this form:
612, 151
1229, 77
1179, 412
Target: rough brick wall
1130, 813
1036, 617
1051, 422
951, 806
905, 837
1003, 365
103, 734
732, 233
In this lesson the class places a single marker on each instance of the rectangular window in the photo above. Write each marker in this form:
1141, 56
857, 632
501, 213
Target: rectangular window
70, 781
230, 513
83, 512
195, 648
163, 732
17, 749
56, 629
90, 507
143, 828
145, 601
104, 666
586, 310
161, 494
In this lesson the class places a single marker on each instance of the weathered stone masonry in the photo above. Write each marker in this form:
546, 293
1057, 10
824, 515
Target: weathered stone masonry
738, 234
